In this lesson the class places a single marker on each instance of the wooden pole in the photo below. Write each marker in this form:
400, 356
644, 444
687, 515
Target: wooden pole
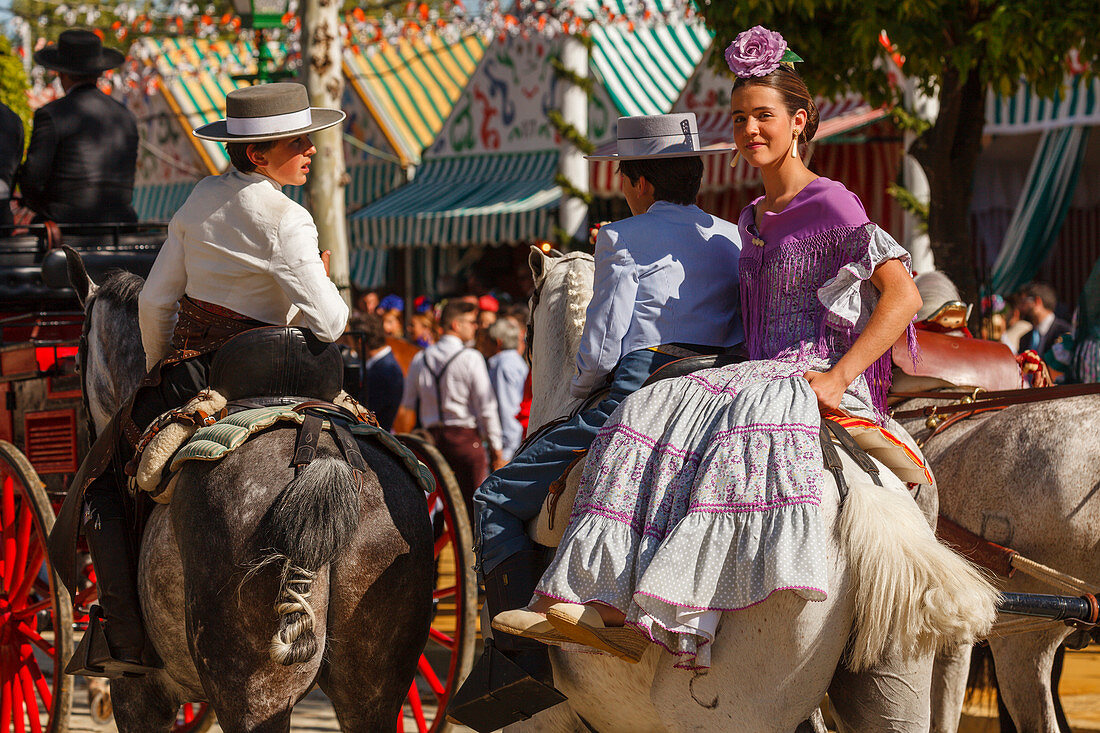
321, 54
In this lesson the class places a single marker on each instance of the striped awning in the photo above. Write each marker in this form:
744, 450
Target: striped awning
367, 182
1076, 104
837, 118
470, 200
195, 76
159, 202
411, 87
668, 54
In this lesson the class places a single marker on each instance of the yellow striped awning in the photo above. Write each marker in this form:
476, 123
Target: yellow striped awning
410, 87
194, 76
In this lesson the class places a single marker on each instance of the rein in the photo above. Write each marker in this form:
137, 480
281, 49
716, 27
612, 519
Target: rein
978, 400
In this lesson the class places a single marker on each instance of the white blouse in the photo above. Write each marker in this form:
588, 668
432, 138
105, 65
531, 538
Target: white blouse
240, 243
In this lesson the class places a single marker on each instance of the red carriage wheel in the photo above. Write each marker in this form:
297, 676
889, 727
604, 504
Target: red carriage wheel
194, 717
36, 615
449, 654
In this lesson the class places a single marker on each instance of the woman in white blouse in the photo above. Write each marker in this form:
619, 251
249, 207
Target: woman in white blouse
240, 254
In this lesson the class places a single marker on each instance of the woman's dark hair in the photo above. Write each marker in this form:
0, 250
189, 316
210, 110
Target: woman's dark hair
675, 180
238, 154
796, 95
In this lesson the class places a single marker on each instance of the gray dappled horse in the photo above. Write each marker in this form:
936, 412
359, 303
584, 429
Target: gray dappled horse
212, 621
1025, 477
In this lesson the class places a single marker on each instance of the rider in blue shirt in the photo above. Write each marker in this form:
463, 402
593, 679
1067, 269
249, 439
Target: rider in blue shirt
665, 276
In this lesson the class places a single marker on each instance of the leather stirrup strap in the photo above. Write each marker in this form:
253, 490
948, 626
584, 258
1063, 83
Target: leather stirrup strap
348, 446
306, 448
832, 462
848, 443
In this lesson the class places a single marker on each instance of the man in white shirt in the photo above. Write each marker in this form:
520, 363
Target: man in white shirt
448, 373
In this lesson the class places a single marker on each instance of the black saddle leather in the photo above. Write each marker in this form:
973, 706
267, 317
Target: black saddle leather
277, 361
690, 364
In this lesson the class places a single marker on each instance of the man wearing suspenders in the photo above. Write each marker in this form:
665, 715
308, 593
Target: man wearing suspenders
450, 375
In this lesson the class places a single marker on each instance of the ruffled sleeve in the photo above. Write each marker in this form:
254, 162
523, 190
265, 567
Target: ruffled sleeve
850, 297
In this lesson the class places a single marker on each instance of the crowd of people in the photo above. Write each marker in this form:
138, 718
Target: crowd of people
465, 353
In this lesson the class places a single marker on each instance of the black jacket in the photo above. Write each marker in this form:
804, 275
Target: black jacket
11, 152
81, 159
1058, 328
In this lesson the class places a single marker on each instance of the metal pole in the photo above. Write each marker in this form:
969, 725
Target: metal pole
322, 55
408, 289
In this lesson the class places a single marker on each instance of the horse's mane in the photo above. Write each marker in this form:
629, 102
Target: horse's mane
121, 288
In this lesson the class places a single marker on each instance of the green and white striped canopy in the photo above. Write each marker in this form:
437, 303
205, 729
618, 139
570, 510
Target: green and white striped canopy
645, 69
1077, 103
469, 200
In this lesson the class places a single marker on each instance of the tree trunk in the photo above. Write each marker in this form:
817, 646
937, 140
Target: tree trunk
948, 153
321, 54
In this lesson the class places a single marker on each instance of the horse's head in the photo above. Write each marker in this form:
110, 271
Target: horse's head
563, 287
112, 361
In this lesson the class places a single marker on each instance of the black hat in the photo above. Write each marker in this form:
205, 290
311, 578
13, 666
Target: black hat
268, 112
79, 53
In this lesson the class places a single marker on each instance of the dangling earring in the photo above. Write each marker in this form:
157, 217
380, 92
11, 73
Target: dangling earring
794, 145
736, 157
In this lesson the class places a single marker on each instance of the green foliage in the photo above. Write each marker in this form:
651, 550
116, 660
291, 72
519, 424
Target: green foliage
1002, 40
13, 86
909, 203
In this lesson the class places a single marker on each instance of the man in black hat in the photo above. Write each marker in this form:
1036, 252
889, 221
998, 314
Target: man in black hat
83, 150
11, 152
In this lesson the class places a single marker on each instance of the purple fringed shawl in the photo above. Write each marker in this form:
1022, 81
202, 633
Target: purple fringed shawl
822, 230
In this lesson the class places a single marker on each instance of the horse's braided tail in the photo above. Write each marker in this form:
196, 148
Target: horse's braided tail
303, 530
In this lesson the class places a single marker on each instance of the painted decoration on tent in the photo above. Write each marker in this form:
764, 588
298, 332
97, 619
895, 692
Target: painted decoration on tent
504, 107
166, 155
707, 90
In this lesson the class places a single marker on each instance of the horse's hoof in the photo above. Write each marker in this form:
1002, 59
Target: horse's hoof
101, 709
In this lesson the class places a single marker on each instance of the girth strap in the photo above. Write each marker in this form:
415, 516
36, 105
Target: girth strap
305, 450
832, 462
860, 456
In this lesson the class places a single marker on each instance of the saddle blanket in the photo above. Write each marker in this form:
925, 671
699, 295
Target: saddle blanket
167, 452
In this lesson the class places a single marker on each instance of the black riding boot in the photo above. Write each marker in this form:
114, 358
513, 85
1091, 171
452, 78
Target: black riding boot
513, 680
114, 645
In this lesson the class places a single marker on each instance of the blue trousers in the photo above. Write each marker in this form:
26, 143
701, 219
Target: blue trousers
514, 494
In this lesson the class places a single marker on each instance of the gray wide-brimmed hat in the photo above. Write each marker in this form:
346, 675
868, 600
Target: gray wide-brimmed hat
78, 52
658, 136
268, 112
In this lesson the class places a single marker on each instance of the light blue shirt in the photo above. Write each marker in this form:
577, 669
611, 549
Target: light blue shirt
507, 373
666, 276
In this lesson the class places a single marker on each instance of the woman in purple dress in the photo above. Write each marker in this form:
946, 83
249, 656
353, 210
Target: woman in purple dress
701, 494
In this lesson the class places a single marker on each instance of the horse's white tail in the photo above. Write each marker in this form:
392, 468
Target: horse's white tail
912, 594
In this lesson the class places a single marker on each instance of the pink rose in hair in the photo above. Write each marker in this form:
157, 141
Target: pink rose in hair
755, 52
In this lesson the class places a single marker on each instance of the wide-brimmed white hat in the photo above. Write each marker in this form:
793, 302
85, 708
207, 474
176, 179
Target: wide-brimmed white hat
268, 112
657, 136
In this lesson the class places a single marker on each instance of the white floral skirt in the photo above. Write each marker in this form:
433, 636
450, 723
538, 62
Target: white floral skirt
700, 495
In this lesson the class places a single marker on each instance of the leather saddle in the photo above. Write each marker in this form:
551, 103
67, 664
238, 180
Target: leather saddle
275, 362
944, 361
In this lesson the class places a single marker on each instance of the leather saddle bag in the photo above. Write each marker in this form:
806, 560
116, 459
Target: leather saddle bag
958, 361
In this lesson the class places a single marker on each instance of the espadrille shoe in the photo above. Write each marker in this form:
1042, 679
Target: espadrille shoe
529, 625
583, 625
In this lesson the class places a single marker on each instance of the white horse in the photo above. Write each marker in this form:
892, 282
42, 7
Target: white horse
1026, 478
895, 592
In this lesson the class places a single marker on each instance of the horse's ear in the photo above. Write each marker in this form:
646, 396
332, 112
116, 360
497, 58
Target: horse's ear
78, 275
537, 260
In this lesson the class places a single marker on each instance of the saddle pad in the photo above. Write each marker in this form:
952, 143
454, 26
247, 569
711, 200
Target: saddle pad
891, 451
963, 362
214, 442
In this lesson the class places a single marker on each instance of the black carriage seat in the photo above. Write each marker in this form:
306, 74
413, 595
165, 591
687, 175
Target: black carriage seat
277, 361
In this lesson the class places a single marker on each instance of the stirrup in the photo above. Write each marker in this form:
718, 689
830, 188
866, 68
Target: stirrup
498, 692
92, 657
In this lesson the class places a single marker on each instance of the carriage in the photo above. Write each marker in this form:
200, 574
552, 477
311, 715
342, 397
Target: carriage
44, 434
